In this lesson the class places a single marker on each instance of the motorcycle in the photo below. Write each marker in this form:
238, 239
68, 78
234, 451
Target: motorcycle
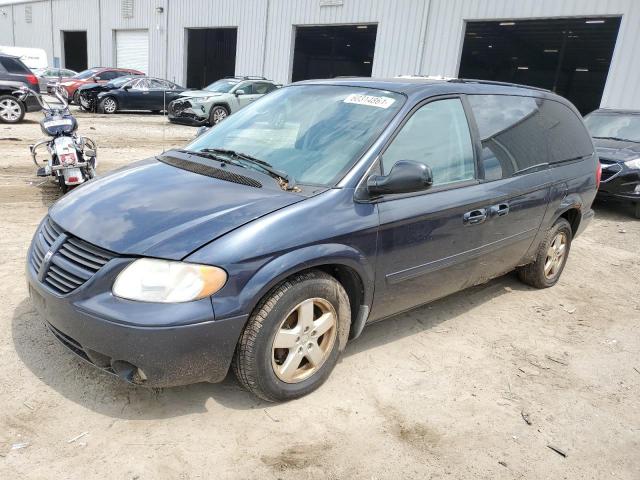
72, 157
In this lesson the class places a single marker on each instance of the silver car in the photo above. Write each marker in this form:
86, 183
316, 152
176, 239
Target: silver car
215, 102
47, 75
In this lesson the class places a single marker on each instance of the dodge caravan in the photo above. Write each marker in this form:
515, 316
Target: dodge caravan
270, 241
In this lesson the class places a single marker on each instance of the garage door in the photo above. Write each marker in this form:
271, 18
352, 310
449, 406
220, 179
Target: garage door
132, 49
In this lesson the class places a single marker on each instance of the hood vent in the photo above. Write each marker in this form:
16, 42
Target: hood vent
209, 171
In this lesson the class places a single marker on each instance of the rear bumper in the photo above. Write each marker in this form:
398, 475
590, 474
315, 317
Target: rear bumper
151, 355
31, 104
622, 184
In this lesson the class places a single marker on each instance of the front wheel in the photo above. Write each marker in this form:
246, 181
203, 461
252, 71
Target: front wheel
12, 110
294, 337
552, 256
108, 105
76, 97
218, 113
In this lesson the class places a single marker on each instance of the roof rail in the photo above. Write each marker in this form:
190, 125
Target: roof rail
494, 82
246, 77
427, 77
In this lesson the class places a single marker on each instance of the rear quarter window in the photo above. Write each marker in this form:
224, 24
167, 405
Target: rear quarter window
13, 65
518, 133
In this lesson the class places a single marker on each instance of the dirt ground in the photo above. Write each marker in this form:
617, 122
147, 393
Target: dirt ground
445, 391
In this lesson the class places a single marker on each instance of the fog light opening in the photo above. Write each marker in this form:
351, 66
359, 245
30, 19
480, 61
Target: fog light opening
128, 372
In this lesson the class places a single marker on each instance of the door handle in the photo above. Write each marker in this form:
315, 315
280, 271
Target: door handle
475, 217
500, 210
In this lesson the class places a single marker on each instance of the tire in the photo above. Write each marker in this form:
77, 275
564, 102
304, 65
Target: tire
636, 210
217, 114
545, 271
76, 97
108, 105
12, 110
86, 105
261, 367
63, 186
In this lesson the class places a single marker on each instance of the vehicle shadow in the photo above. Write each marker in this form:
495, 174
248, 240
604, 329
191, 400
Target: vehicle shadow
614, 210
101, 392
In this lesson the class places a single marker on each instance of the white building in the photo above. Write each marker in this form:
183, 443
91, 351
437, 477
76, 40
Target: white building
586, 50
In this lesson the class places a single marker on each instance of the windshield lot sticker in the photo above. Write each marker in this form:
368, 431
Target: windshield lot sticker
369, 100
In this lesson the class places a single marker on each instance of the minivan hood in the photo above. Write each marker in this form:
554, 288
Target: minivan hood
617, 150
158, 210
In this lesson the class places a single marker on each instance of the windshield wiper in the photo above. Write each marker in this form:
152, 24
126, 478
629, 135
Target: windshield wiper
286, 181
618, 139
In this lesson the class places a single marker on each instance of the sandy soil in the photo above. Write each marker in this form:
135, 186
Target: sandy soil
440, 392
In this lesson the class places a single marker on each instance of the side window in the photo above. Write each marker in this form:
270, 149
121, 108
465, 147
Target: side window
518, 133
262, 88
110, 75
438, 136
156, 84
141, 84
13, 65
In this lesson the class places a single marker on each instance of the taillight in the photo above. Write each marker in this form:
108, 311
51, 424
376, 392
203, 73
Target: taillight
32, 79
598, 174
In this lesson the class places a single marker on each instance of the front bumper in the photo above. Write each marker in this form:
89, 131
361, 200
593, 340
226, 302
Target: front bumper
155, 345
185, 113
620, 182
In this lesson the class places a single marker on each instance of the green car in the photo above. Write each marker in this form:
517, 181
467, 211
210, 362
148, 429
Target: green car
217, 101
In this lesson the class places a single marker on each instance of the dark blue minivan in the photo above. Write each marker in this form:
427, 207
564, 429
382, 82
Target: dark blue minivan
271, 240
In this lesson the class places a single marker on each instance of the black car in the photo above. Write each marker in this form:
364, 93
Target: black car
144, 93
274, 238
88, 94
616, 134
13, 75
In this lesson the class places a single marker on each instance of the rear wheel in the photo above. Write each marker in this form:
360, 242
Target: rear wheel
552, 256
294, 337
12, 110
108, 105
63, 186
217, 114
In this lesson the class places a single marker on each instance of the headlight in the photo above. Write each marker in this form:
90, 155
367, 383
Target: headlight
200, 99
152, 280
635, 163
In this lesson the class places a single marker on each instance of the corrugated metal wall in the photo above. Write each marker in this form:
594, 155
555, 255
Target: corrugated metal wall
414, 36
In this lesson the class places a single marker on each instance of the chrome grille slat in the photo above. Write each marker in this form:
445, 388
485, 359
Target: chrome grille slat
73, 263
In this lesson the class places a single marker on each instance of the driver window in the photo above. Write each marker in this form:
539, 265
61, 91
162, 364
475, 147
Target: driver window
437, 135
142, 84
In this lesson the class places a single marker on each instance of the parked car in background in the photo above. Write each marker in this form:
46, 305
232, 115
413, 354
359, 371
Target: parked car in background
92, 75
616, 134
145, 93
14, 74
88, 94
215, 102
273, 238
49, 74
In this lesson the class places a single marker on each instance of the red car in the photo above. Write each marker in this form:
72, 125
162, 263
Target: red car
92, 75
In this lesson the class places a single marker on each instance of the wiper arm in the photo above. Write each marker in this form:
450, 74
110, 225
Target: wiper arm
618, 139
286, 181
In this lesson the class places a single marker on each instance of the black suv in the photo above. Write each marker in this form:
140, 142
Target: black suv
13, 75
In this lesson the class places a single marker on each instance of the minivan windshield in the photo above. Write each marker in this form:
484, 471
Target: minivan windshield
222, 86
615, 126
312, 133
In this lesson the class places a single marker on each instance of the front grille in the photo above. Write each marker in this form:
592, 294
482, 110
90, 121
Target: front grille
73, 261
609, 170
209, 171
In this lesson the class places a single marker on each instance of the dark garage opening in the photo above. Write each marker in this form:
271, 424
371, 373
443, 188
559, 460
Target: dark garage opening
570, 56
333, 51
211, 55
75, 50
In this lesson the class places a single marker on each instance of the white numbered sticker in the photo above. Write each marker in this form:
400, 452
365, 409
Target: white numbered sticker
369, 100
57, 123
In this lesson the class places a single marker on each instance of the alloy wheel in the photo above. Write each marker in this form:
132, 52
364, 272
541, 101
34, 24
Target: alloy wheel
219, 114
109, 105
555, 255
10, 110
304, 340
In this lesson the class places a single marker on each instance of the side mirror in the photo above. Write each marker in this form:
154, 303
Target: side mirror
406, 176
240, 92
127, 87
97, 79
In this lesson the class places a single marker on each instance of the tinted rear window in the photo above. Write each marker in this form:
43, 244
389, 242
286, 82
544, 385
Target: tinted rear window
519, 133
13, 65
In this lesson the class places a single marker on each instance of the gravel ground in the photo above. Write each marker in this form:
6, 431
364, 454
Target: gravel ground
478, 385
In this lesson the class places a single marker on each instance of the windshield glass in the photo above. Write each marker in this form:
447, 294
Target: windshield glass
85, 74
614, 125
313, 133
222, 86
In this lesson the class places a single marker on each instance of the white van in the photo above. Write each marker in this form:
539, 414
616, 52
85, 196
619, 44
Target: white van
31, 57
